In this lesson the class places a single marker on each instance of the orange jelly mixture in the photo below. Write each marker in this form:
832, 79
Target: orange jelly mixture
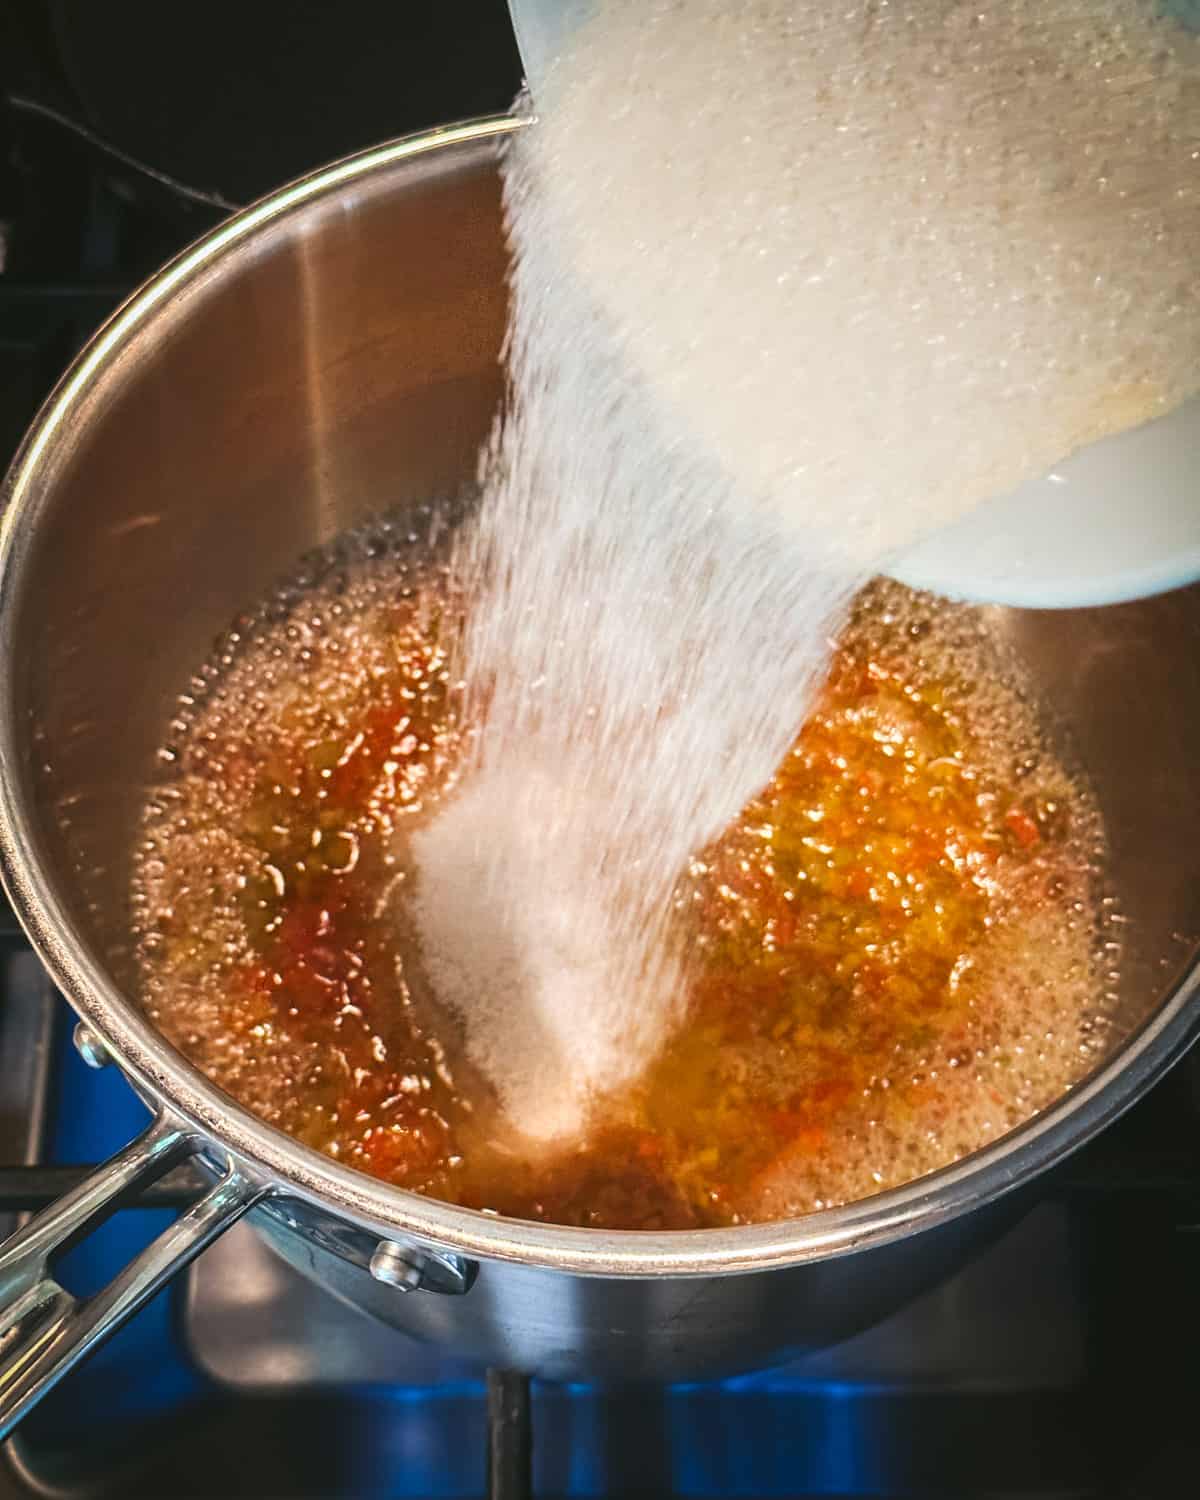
892, 954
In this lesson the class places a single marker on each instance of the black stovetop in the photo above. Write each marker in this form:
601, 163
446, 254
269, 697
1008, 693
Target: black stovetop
1060, 1363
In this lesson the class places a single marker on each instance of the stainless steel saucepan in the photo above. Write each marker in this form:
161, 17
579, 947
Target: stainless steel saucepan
329, 353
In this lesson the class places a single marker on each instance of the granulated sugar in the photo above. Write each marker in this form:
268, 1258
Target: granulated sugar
792, 287
879, 260
624, 722
538, 979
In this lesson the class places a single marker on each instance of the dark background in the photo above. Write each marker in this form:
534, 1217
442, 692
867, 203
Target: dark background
129, 127
239, 95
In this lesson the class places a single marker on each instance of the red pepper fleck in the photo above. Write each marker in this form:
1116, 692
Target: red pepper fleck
1022, 827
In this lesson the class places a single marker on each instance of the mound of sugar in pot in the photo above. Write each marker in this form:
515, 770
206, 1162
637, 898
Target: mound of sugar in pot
536, 973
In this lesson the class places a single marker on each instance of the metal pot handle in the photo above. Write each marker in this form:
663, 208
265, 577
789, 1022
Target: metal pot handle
44, 1330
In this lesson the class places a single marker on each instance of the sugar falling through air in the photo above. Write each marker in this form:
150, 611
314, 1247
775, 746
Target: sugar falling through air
792, 287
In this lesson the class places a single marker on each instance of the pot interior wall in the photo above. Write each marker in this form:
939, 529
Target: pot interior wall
344, 363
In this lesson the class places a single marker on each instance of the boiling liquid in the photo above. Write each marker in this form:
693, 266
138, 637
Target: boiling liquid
892, 956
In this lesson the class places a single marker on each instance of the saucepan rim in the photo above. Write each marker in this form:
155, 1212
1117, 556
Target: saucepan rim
290, 1169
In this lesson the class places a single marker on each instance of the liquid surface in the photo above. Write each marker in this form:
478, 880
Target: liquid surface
888, 959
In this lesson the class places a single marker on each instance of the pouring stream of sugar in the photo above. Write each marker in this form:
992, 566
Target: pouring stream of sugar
1118, 520
795, 294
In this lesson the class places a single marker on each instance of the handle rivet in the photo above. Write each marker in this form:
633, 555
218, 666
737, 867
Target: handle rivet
396, 1266
90, 1047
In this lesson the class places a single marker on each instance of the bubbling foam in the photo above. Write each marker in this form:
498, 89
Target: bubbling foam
275, 897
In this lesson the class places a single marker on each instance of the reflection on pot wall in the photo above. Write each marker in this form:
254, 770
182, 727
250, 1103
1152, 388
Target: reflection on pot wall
349, 367
631, 1329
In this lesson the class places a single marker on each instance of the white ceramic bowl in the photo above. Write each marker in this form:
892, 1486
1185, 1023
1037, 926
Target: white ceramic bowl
1118, 520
